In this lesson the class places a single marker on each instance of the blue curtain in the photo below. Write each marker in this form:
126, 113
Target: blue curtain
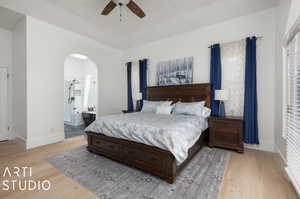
215, 76
250, 103
129, 88
143, 78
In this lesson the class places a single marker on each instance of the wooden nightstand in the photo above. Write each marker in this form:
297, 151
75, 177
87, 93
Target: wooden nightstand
226, 132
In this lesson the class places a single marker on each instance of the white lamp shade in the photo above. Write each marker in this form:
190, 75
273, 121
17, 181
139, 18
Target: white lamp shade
221, 95
138, 96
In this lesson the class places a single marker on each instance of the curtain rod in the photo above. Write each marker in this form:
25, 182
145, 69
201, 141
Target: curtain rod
258, 38
137, 60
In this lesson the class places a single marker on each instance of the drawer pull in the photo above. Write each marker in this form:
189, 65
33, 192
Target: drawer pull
97, 142
153, 159
111, 146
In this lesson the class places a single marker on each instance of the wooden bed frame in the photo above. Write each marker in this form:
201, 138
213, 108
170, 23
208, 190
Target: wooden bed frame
152, 159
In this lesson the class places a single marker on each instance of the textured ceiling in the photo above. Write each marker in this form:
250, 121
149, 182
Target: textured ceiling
164, 18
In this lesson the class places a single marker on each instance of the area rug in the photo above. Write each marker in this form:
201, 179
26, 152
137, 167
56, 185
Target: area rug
107, 179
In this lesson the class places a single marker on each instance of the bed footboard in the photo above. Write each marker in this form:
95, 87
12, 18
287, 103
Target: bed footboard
151, 159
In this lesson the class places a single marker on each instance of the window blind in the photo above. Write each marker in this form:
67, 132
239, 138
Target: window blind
293, 111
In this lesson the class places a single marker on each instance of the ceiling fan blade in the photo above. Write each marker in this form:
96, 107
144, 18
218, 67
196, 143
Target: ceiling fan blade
109, 7
136, 9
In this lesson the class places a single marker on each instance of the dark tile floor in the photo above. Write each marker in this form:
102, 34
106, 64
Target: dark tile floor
72, 131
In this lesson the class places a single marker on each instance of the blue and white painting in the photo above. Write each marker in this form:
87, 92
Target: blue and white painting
175, 72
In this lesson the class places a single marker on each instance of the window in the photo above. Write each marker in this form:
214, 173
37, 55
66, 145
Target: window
135, 81
233, 76
293, 110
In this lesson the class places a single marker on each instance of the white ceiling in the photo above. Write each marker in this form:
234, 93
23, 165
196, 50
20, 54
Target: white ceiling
8, 18
156, 12
163, 17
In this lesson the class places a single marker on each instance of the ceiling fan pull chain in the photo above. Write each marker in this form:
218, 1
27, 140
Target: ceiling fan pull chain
120, 12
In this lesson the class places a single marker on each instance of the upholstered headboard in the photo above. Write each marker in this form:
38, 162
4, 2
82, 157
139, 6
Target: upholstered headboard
182, 93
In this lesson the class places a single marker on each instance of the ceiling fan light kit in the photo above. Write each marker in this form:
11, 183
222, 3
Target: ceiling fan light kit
133, 7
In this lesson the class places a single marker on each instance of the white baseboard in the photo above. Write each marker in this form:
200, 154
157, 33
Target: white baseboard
17, 138
13, 135
281, 155
21, 141
41, 141
293, 180
262, 147
287, 171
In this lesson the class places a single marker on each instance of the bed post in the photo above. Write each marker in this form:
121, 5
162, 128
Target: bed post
171, 169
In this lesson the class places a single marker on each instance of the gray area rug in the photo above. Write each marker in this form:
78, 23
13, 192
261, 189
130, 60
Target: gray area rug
73, 131
108, 179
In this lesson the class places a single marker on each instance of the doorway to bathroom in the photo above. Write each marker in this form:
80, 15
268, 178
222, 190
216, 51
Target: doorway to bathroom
80, 98
3, 105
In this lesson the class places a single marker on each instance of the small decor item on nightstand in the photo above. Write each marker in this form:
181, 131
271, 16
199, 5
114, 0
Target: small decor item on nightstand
221, 95
138, 97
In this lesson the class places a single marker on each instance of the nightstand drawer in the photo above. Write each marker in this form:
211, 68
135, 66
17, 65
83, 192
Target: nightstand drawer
226, 127
226, 137
226, 124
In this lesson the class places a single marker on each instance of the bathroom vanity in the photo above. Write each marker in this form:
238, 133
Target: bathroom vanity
88, 117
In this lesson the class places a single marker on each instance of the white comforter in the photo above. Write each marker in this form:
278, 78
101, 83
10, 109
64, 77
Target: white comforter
175, 133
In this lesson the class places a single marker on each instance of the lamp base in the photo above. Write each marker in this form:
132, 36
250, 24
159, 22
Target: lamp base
221, 109
139, 105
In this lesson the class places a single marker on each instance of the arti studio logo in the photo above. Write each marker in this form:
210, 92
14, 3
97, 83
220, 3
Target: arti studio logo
18, 178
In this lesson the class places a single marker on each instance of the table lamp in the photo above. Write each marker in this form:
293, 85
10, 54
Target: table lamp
138, 98
221, 96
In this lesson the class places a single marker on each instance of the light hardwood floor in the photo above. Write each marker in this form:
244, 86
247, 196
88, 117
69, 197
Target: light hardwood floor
252, 175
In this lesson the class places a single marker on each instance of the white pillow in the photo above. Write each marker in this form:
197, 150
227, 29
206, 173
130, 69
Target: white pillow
187, 108
195, 108
163, 109
205, 112
150, 106
201, 103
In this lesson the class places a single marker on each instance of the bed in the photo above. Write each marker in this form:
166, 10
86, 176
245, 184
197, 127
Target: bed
144, 148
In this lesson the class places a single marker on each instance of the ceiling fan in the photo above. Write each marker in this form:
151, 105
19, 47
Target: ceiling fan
131, 5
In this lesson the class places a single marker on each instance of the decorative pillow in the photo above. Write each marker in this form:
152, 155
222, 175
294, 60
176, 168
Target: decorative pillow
205, 112
150, 106
195, 108
163, 109
202, 103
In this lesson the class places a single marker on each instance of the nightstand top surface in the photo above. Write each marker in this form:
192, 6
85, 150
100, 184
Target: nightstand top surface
126, 111
226, 118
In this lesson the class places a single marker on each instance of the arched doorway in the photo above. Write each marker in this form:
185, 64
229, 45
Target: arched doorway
80, 98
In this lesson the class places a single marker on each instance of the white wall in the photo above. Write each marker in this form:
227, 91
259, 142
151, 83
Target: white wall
5, 48
79, 68
74, 68
196, 44
6, 62
282, 20
48, 46
19, 97
294, 13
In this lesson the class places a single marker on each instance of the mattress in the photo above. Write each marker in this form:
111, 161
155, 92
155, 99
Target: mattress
174, 133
